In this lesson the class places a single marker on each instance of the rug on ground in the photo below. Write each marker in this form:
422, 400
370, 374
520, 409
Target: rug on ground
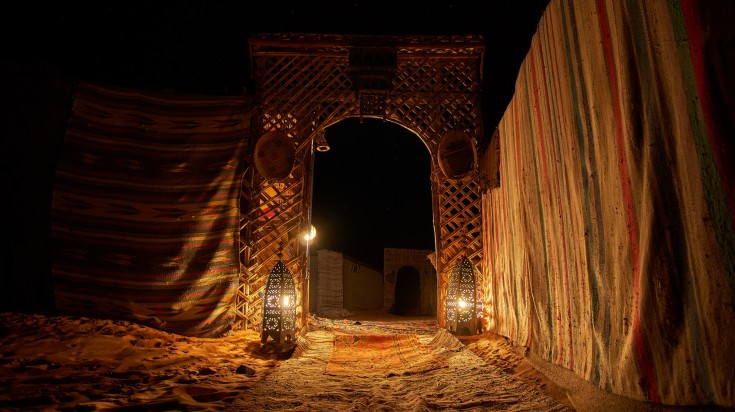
381, 355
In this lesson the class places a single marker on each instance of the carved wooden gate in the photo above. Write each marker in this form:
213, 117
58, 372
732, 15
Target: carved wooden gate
305, 83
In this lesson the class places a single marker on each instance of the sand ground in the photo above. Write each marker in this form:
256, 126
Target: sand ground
70, 363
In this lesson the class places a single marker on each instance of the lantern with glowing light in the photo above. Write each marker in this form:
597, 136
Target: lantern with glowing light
279, 304
463, 302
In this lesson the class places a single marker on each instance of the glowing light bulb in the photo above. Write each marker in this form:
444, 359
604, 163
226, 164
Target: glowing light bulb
286, 301
311, 234
462, 304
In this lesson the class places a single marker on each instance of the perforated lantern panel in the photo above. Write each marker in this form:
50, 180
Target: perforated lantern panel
279, 305
308, 82
463, 303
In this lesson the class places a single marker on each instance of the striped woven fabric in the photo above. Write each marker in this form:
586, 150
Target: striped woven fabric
610, 246
145, 208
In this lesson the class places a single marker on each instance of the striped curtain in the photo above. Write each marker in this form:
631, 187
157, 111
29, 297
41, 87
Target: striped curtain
609, 243
145, 208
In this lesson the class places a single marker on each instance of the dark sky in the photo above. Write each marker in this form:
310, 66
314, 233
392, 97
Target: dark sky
201, 47
372, 190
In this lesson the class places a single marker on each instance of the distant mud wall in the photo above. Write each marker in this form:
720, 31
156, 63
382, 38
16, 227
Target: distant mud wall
609, 241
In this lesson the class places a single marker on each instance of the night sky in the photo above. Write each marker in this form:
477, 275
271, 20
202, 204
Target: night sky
372, 190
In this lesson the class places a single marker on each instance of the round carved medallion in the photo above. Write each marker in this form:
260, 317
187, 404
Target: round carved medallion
457, 154
275, 155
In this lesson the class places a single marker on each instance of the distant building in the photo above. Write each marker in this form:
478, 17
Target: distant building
409, 282
339, 282
407, 285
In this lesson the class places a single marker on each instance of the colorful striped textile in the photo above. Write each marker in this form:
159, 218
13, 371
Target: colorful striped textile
609, 243
145, 208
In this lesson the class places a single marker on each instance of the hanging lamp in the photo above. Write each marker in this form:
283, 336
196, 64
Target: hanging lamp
321, 142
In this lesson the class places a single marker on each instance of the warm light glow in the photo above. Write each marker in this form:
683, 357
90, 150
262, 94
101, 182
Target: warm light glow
279, 312
463, 302
310, 235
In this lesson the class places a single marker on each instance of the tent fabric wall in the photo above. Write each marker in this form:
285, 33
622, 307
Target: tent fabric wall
145, 208
609, 242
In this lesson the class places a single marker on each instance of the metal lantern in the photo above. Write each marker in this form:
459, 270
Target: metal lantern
463, 301
321, 142
279, 305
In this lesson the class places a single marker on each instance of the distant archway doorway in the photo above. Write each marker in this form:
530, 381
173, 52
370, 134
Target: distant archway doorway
408, 292
305, 83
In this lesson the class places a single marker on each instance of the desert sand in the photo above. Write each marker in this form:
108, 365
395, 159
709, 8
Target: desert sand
353, 361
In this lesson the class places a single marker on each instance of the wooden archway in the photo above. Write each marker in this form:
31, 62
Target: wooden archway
306, 82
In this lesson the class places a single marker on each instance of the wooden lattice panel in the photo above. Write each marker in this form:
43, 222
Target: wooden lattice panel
272, 221
304, 84
460, 230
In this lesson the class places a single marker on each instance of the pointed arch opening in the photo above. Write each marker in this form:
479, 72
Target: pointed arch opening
372, 190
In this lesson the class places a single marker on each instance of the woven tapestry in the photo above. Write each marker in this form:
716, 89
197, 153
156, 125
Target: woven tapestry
610, 242
145, 208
